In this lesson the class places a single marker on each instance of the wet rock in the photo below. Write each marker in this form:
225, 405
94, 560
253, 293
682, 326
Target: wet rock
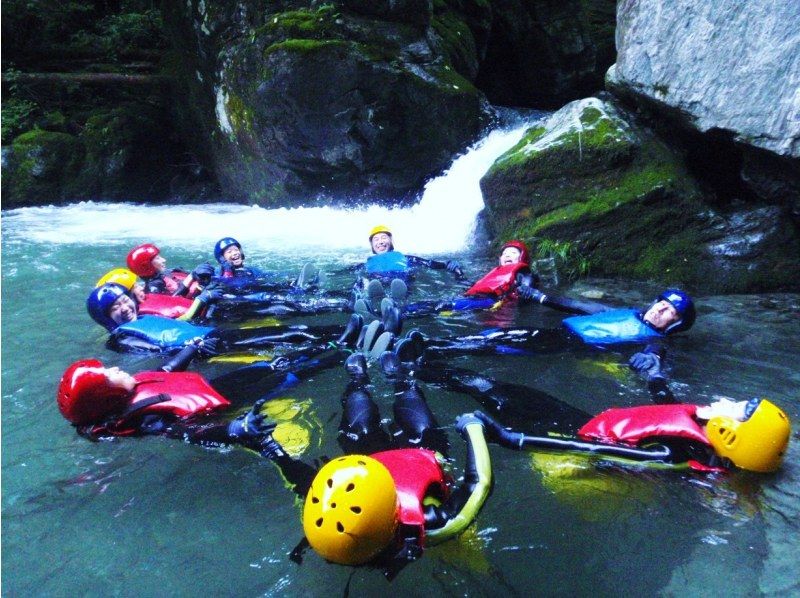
724, 71
348, 101
598, 190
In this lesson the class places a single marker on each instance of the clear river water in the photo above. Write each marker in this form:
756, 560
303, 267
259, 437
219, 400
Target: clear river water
155, 517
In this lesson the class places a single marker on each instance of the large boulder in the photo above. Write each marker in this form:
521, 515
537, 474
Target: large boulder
595, 187
726, 70
345, 100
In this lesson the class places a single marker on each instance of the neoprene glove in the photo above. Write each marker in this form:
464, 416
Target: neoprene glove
466, 419
529, 293
203, 272
208, 347
454, 267
251, 425
645, 362
227, 269
209, 296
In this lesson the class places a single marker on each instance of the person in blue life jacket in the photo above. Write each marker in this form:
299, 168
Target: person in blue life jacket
110, 306
599, 325
508, 281
390, 270
751, 435
103, 402
389, 496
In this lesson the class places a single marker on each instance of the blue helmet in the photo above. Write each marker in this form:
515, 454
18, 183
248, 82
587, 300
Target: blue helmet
222, 245
684, 305
100, 301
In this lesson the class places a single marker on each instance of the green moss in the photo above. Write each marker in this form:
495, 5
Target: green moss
304, 45
631, 186
303, 24
240, 117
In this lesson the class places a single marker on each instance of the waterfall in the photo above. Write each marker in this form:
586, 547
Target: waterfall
442, 222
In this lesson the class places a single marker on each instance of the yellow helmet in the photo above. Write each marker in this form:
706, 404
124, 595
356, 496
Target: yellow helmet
756, 444
350, 514
381, 228
121, 276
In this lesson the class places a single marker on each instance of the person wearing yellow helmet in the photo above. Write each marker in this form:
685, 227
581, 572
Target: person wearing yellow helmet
751, 435
168, 306
388, 497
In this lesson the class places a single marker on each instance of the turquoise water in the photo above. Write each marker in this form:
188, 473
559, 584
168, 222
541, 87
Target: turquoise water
152, 517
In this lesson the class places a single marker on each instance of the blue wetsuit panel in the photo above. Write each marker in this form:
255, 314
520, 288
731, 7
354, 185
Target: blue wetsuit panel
385, 263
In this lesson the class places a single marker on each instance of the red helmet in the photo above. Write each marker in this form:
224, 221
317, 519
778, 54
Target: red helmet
523, 249
84, 394
140, 260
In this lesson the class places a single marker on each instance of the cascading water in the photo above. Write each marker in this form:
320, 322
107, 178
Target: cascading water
453, 198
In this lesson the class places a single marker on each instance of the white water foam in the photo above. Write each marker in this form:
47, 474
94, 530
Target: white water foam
442, 222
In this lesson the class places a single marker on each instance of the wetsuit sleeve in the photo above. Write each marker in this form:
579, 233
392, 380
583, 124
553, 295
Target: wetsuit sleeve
155, 285
460, 510
181, 361
572, 306
196, 306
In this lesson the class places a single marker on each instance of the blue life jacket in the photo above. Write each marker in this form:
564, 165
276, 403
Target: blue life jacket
470, 303
162, 332
385, 263
609, 327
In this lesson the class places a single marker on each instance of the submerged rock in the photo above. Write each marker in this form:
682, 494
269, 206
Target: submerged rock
595, 187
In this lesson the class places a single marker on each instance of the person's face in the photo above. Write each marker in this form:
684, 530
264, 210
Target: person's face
138, 292
159, 263
510, 255
381, 242
123, 310
120, 379
233, 255
724, 407
661, 315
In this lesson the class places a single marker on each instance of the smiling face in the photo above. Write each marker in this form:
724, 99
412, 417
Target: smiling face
510, 255
661, 315
381, 242
123, 310
233, 255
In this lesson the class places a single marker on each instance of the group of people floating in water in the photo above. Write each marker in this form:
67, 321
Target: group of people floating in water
388, 496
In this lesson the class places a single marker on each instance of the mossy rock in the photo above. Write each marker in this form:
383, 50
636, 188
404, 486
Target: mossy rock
40, 168
617, 201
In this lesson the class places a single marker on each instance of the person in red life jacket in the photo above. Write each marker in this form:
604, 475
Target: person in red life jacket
751, 435
500, 284
108, 402
389, 496
147, 263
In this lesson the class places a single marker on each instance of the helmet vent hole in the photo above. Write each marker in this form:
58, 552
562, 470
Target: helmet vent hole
339, 527
356, 510
362, 463
329, 483
318, 522
314, 499
333, 505
350, 487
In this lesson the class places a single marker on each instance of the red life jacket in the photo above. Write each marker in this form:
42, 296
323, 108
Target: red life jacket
416, 474
633, 424
167, 306
499, 281
183, 394
172, 279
